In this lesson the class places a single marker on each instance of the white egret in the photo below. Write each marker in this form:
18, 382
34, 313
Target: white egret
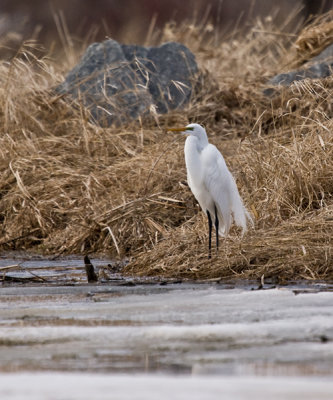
212, 183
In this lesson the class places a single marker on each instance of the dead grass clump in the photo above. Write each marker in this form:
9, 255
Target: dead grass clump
89, 191
69, 186
288, 185
314, 38
300, 248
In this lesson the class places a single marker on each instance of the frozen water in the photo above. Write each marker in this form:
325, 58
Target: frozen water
185, 341
146, 387
197, 329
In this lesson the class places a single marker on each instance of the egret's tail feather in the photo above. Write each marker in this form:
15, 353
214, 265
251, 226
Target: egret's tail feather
237, 212
240, 213
225, 220
222, 229
249, 218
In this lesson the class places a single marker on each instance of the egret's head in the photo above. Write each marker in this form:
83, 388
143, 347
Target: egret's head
196, 133
192, 130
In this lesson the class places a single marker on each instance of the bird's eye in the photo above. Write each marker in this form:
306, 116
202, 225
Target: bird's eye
189, 128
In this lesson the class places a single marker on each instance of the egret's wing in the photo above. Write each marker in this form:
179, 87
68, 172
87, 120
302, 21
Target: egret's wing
216, 177
223, 189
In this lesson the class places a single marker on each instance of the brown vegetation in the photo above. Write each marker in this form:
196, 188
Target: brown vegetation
315, 37
68, 186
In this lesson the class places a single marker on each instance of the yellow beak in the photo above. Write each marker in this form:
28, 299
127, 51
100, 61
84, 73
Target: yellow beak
178, 129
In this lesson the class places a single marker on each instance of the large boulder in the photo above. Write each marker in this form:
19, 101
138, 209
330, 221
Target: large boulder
119, 83
318, 67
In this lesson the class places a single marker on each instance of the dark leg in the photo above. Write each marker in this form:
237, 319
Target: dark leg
210, 226
216, 229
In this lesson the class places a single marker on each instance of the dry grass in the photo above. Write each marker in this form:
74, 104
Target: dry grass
69, 186
315, 37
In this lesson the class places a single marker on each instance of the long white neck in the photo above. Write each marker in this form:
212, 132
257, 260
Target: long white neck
202, 139
192, 150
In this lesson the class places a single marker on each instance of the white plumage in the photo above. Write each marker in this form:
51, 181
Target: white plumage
212, 183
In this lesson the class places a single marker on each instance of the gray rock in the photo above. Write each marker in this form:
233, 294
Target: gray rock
321, 70
320, 66
119, 83
326, 55
173, 68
